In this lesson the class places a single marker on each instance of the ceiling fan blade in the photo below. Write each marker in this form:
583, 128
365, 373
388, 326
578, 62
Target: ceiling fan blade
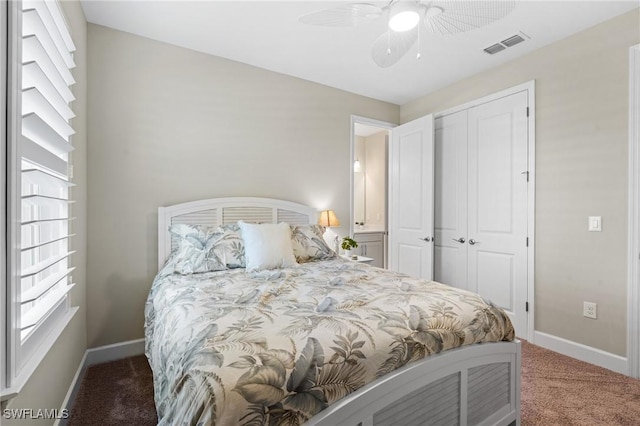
348, 15
391, 46
451, 17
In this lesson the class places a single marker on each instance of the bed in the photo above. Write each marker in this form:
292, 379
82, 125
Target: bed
323, 342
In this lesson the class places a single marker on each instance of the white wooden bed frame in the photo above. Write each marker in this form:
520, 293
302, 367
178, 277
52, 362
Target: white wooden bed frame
472, 385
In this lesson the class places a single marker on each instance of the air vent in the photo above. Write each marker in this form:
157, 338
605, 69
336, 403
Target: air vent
508, 42
513, 40
494, 49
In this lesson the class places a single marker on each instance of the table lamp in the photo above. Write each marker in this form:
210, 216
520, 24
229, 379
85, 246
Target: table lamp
329, 219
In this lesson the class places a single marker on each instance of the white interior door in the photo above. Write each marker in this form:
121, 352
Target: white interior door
497, 204
450, 248
411, 198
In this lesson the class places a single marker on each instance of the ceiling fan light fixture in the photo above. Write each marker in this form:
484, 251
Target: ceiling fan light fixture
403, 17
441, 17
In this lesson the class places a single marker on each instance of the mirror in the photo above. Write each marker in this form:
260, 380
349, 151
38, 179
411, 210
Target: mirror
370, 177
359, 184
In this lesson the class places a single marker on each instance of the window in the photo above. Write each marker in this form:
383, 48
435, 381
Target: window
39, 189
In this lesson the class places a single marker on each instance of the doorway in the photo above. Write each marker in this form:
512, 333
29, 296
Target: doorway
369, 188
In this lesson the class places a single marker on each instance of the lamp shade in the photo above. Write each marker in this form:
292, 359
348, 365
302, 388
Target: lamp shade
328, 218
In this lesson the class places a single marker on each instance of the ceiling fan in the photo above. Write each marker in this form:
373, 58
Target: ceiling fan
443, 17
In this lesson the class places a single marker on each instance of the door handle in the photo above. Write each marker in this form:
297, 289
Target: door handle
427, 239
460, 240
473, 242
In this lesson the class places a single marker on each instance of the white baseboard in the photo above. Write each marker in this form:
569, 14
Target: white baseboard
582, 352
116, 351
73, 389
94, 356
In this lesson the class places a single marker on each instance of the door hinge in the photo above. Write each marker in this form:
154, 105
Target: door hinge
527, 111
527, 242
526, 306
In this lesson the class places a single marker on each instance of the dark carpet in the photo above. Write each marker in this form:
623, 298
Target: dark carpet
116, 393
556, 390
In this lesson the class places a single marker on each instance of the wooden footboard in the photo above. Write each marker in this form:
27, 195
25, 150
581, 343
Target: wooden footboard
472, 385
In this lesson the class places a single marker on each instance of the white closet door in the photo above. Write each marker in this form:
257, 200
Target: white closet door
497, 176
411, 198
450, 247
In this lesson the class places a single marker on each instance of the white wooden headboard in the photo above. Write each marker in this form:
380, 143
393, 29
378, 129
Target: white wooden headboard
220, 211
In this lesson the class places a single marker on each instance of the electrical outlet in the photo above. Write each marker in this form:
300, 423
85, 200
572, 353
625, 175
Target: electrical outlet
590, 310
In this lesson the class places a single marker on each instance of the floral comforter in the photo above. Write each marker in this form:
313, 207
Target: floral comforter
276, 347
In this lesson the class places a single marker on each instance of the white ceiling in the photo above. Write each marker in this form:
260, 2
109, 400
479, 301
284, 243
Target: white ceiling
267, 34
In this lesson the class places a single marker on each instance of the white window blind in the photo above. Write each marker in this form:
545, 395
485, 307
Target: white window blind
45, 202
4, 171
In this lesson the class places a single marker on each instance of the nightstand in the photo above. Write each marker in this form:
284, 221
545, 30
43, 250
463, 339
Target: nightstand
360, 259
371, 244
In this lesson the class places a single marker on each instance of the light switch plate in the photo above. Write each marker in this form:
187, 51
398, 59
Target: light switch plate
595, 223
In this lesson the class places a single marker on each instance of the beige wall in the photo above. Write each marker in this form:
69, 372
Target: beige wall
169, 125
48, 385
581, 170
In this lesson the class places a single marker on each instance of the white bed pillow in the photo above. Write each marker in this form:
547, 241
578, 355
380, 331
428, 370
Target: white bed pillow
267, 245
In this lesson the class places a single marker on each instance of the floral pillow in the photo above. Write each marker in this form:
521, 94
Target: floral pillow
197, 249
308, 243
231, 246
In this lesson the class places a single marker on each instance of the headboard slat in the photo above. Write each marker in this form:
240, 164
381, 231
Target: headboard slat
206, 217
292, 218
248, 214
